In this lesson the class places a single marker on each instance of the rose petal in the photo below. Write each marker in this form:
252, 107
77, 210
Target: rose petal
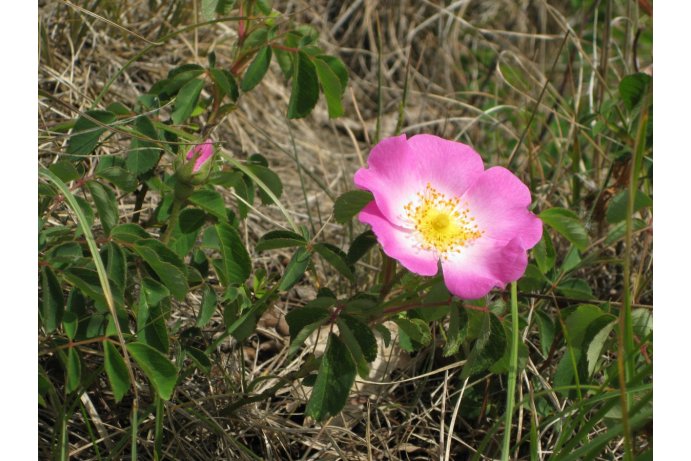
485, 264
498, 201
400, 168
392, 177
398, 242
449, 166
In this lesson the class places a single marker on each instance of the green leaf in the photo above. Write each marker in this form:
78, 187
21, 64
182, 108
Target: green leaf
208, 9
256, 39
115, 262
74, 370
360, 246
489, 347
257, 69
642, 322
87, 281
575, 288
191, 220
331, 86
210, 201
270, 179
171, 276
547, 331
185, 73
337, 258
385, 334
156, 367
200, 359
224, 6
285, 61
151, 325
129, 233
225, 81
334, 380
165, 253
632, 88
616, 211
457, 331
544, 253
364, 336
581, 325
86, 133
279, 239
619, 230
414, 333
302, 322
154, 291
144, 153
208, 307
305, 89
88, 211
597, 343
350, 204
566, 222
106, 204
120, 177
70, 323
118, 109
68, 252
116, 370
338, 68
186, 100
236, 261
52, 300
65, 170
348, 338
296, 268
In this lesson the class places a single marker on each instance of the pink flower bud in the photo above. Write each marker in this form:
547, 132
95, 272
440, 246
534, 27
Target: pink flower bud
202, 153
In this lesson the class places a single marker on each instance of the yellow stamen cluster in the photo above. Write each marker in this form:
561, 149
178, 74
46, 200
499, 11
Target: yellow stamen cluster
441, 223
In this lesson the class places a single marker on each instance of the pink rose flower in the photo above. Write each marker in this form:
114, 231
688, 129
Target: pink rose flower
435, 203
202, 152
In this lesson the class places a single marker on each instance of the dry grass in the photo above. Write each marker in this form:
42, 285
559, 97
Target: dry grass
456, 60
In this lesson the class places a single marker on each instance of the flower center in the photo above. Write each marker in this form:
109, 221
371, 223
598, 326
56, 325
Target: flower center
442, 224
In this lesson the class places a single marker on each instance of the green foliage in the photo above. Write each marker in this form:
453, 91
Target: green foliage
350, 204
279, 239
160, 371
257, 69
489, 348
88, 130
116, 371
237, 264
305, 90
336, 376
143, 154
632, 88
568, 224
187, 100
296, 268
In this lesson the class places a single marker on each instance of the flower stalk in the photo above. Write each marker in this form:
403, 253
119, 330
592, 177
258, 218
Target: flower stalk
191, 170
513, 374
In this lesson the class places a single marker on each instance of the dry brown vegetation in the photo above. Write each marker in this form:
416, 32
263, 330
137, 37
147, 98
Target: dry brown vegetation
466, 70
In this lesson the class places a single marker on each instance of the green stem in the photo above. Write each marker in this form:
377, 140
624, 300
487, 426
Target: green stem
135, 430
626, 359
513, 373
158, 435
174, 215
